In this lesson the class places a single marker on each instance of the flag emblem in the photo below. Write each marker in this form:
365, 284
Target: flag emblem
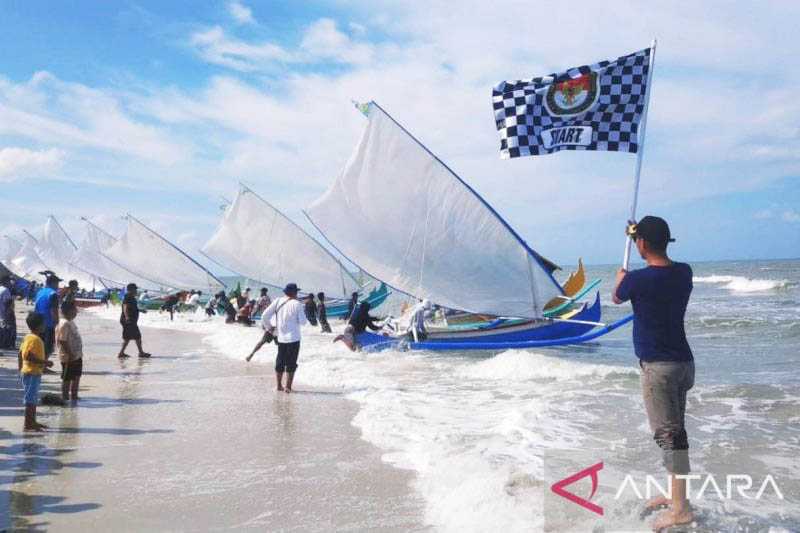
573, 96
591, 107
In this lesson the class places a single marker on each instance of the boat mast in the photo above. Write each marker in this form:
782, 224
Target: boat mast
640, 154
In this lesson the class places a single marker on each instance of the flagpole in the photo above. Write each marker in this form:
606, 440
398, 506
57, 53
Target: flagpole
640, 152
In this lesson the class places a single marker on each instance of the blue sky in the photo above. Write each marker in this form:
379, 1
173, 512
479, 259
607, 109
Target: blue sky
160, 108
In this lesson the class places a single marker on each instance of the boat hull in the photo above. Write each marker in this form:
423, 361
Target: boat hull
375, 298
88, 302
527, 331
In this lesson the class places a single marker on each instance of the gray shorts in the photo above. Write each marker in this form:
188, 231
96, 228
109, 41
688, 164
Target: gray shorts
664, 388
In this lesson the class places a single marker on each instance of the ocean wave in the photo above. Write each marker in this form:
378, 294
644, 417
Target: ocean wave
521, 365
743, 284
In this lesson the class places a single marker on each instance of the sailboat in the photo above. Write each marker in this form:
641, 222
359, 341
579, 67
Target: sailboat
90, 258
257, 241
56, 249
403, 216
10, 249
26, 263
147, 254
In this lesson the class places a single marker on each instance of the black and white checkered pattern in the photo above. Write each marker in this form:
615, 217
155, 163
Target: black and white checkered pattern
521, 114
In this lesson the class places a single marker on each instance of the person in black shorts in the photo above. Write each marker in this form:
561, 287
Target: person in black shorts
130, 322
70, 351
322, 313
289, 316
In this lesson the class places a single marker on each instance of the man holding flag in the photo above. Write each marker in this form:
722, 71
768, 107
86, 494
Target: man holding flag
604, 107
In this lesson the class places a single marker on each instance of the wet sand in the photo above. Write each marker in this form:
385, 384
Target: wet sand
190, 440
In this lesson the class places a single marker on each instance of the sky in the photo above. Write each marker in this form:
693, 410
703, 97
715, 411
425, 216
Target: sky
160, 109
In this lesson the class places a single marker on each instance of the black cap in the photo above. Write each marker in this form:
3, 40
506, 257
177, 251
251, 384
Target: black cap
50, 277
131, 287
290, 288
73, 283
654, 230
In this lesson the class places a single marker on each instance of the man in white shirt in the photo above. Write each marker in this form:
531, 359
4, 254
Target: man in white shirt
289, 315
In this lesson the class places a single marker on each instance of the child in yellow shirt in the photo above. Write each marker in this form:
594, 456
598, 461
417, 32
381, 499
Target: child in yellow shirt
31, 364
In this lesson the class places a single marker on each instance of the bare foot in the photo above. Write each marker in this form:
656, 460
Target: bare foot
248, 358
669, 518
280, 388
658, 501
288, 390
653, 505
37, 429
123, 355
41, 426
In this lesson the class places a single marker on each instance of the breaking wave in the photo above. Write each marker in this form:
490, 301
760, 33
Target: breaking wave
743, 284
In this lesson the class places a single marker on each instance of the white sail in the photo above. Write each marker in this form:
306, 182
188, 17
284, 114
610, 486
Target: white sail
10, 249
403, 216
147, 254
56, 250
259, 242
89, 258
27, 263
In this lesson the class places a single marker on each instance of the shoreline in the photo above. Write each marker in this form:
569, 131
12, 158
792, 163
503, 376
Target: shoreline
194, 438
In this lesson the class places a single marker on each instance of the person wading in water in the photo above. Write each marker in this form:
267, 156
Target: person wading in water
289, 316
129, 319
659, 294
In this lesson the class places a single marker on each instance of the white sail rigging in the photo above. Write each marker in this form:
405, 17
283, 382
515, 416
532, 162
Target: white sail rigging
56, 250
259, 242
147, 254
403, 216
11, 248
27, 263
89, 258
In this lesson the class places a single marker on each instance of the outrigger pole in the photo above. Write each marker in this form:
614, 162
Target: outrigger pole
640, 153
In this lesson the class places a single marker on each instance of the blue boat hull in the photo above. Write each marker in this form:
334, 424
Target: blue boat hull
375, 298
504, 335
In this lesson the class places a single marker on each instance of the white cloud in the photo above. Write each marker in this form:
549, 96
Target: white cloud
46, 109
216, 47
321, 42
22, 162
241, 13
791, 216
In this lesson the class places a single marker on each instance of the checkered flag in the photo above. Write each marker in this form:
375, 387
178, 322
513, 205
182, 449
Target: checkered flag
593, 107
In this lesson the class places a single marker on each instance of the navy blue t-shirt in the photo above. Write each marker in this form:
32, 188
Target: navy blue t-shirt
659, 296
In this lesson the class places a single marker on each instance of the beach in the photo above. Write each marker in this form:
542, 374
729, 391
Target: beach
197, 439
191, 440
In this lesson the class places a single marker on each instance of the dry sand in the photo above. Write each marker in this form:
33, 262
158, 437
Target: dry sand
190, 440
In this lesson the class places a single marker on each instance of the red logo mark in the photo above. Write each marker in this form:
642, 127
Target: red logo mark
558, 488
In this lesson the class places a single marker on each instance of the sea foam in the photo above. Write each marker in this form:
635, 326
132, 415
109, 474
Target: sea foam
743, 284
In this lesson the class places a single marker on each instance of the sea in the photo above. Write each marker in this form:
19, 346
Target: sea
487, 434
